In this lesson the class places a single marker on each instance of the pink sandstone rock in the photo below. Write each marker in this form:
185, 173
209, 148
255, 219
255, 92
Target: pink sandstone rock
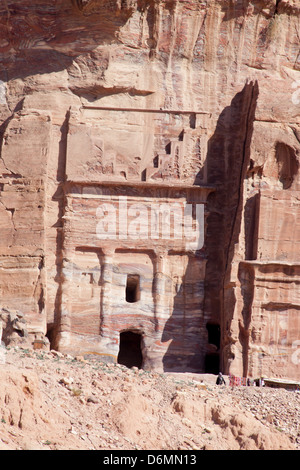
111, 111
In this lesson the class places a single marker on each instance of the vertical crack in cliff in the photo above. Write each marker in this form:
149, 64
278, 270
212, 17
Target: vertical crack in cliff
153, 20
295, 131
247, 292
60, 197
38, 292
235, 229
276, 7
244, 163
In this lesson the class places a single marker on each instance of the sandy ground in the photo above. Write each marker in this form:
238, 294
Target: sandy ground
52, 401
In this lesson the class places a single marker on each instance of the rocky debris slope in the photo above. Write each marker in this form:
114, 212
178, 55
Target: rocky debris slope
95, 91
54, 401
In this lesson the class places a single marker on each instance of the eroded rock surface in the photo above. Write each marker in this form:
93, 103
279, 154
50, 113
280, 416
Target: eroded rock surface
110, 107
50, 400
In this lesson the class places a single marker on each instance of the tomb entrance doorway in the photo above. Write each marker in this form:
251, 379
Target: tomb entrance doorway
130, 349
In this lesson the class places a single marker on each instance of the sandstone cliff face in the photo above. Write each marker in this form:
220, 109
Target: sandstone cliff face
149, 102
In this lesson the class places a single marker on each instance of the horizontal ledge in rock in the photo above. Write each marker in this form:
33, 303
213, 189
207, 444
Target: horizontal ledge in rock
146, 110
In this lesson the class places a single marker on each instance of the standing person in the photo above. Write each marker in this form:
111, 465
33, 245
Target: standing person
220, 379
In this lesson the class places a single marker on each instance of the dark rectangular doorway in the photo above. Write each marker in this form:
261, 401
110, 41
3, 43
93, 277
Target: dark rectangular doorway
130, 352
212, 363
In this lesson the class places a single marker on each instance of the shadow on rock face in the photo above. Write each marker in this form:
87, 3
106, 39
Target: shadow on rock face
226, 165
44, 37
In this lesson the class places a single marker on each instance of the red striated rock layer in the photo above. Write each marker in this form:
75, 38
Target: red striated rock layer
111, 111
